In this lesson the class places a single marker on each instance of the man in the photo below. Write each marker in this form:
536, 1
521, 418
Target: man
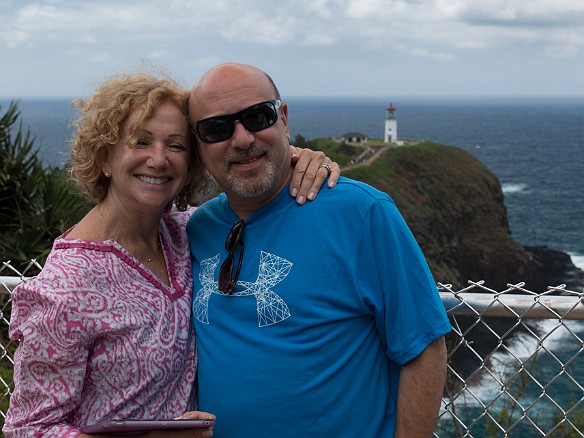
321, 320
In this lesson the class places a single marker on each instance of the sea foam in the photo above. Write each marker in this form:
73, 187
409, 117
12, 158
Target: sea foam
510, 188
578, 260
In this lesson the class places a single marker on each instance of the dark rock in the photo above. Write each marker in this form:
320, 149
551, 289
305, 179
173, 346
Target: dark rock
556, 267
455, 208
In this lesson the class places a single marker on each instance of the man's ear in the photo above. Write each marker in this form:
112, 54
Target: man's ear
284, 117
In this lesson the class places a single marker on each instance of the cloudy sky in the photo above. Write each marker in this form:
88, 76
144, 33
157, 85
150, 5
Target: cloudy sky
311, 47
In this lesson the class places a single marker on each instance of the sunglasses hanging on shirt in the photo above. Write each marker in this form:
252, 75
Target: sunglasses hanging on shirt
227, 278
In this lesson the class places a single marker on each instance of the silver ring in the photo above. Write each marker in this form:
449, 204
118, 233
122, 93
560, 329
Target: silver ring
328, 168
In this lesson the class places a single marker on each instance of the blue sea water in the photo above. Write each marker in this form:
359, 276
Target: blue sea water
534, 146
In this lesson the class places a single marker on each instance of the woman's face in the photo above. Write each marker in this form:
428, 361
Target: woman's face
147, 177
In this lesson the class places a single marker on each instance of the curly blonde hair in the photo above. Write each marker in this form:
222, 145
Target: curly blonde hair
101, 126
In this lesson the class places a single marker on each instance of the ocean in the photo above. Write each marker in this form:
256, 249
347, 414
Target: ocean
535, 146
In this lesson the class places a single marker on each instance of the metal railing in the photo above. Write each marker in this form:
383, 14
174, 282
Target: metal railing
515, 362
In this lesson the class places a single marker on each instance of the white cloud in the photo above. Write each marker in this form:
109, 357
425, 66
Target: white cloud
100, 57
368, 9
425, 53
257, 27
89, 39
443, 23
158, 54
206, 62
562, 51
292, 35
14, 38
317, 38
534, 13
89, 21
323, 9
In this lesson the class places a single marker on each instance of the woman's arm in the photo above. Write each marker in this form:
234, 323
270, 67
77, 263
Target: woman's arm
49, 365
309, 176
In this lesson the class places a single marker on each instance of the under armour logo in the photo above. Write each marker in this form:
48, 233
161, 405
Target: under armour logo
270, 307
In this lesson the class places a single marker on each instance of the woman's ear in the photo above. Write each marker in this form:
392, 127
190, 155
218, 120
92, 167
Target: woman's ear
103, 160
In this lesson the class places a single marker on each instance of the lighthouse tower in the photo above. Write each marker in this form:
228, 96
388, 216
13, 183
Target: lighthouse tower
390, 125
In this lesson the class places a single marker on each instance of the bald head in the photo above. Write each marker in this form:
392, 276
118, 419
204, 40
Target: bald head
229, 82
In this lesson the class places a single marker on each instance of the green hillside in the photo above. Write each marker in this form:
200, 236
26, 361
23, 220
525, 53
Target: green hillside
454, 206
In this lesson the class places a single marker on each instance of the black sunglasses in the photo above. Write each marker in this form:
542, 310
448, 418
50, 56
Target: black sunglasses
228, 281
255, 118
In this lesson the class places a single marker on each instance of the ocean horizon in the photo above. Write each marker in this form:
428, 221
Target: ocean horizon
534, 145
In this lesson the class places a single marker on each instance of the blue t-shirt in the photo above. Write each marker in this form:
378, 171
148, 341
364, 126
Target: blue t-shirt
333, 297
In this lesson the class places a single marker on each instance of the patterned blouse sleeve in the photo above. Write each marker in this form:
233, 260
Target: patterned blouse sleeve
50, 362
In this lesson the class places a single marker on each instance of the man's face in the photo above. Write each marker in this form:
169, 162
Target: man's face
249, 165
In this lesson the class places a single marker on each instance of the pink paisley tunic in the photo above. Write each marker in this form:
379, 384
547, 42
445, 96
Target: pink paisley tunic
101, 337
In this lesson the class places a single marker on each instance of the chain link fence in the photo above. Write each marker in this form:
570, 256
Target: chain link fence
515, 367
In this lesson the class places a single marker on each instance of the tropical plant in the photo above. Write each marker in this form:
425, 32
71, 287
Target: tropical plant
36, 203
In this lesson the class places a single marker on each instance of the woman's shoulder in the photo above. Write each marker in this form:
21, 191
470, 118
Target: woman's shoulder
70, 264
174, 224
177, 218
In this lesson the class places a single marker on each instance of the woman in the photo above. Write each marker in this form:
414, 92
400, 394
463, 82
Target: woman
104, 329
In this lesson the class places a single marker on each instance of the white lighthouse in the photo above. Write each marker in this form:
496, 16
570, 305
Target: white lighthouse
390, 125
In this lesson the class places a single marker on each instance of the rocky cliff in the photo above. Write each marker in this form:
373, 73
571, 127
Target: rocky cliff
454, 207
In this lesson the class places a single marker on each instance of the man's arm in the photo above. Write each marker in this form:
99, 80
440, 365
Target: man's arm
421, 384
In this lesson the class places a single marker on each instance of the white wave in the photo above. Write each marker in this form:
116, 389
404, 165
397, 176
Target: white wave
577, 259
509, 188
553, 337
